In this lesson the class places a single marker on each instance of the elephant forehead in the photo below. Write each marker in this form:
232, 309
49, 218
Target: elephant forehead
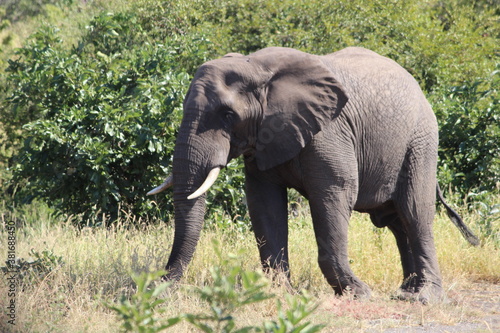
231, 72
227, 86
209, 94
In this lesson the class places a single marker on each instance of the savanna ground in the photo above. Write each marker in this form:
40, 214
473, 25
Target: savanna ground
92, 267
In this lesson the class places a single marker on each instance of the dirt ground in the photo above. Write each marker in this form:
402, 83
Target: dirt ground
476, 309
482, 305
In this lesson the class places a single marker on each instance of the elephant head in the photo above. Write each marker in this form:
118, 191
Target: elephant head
266, 106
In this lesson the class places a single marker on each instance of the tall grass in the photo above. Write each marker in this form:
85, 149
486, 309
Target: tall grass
98, 263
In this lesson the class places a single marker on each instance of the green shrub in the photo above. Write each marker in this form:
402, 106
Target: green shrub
140, 312
97, 126
99, 121
470, 132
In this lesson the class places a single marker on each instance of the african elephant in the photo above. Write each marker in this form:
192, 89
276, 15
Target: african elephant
350, 130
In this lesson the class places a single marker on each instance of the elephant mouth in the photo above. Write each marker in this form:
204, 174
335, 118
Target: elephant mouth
209, 181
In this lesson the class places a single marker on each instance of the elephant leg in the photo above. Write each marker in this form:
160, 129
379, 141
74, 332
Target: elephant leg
330, 220
425, 281
267, 206
405, 253
330, 169
388, 217
416, 208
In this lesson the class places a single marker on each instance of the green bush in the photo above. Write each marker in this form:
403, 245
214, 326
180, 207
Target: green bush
98, 126
470, 132
99, 121
139, 313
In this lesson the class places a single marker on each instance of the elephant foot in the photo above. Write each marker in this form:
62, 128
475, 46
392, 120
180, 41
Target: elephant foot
355, 288
415, 289
427, 295
171, 276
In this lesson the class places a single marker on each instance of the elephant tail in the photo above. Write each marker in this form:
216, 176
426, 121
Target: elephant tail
457, 220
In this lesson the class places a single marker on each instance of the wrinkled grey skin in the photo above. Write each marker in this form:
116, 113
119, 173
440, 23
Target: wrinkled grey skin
350, 131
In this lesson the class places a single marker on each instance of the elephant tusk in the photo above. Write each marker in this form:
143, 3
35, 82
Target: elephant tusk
166, 184
212, 176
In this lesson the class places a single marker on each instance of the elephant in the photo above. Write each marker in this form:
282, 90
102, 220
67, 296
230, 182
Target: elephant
351, 130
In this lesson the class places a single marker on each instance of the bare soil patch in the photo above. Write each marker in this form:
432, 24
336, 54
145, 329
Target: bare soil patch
475, 309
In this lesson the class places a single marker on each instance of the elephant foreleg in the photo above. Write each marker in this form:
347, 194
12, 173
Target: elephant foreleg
267, 206
331, 219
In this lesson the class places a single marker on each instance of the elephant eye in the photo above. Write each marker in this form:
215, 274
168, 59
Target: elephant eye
228, 116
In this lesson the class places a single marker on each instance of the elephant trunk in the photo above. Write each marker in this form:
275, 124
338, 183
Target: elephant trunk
188, 223
194, 157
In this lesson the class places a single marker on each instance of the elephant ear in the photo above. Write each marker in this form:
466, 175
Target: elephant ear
302, 98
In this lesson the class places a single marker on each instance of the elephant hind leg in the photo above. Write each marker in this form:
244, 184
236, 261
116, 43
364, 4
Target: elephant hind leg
416, 208
422, 278
388, 217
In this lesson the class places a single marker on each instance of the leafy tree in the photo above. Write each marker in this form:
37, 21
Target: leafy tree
99, 121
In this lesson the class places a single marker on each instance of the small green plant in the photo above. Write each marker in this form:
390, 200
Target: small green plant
489, 213
230, 291
290, 321
34, 271
140, 312
233, 289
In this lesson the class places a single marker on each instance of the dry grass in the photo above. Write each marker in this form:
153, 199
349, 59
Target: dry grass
98, 263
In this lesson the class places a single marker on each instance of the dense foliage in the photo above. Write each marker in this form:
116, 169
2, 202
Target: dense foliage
99, 119
92, 126
470, 135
